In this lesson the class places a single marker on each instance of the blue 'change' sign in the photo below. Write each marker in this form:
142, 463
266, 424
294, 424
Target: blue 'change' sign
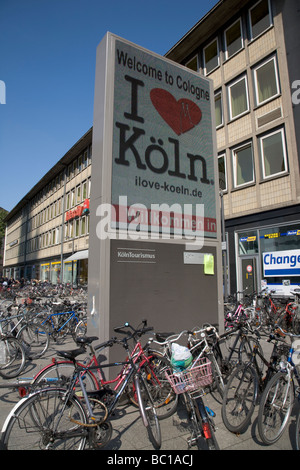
281, 263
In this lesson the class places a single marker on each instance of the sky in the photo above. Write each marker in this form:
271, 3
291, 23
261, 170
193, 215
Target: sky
47, 70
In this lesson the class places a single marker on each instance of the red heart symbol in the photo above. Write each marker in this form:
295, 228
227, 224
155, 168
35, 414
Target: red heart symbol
181, 115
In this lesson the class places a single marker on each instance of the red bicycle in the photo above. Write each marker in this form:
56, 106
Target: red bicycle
152, 365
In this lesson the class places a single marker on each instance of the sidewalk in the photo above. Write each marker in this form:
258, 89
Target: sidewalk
129, 434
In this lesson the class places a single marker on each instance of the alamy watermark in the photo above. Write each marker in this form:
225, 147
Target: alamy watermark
2, 92
296, 93
161, 221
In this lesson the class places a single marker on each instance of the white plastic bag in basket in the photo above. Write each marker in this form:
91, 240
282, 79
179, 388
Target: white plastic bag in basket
181, 357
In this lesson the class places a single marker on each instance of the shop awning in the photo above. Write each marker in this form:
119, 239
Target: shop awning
84, 254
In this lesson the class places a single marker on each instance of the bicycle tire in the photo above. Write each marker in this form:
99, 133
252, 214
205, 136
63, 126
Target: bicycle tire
296, 320
59, 372
148, 412
13, 357
270, 413
79, 330
34, 343
297, 431
207, 428
239, 399
164, 398
218, 380
32, 422
246, 351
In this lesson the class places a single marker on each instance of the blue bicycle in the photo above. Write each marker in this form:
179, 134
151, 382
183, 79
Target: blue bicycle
278, 398
60, 324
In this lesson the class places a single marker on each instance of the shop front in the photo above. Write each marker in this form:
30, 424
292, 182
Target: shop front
268, 257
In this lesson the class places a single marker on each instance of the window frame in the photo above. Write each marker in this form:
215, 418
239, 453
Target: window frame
227, 56
219, 93
255, 69
234, 164
223, 155
252, 38
218, 55
191, 60
285, 157
229, 87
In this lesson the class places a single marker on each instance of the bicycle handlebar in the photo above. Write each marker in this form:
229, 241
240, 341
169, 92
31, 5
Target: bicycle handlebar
170, 339
135, 332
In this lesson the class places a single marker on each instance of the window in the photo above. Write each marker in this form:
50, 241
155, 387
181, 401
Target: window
84, 190
76, 227
85, 159
193, 64
273, 154
83, 226
80, 163
73, 197
266, 81
222, 172
238, 98
243, 171
78, 194
211, 56
248, 243
260, 18
233, 39
218, 109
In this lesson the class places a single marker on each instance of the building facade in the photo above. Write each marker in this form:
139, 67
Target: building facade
47, 233
249, 49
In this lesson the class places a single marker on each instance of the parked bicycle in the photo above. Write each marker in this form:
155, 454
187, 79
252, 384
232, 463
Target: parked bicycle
247, 382
12, 356
60, 324
191, 383
277, 400
56, 418
151, 365
24, 326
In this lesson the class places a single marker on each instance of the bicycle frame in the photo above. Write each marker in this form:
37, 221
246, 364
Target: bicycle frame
95, 368
52, 315
128, 370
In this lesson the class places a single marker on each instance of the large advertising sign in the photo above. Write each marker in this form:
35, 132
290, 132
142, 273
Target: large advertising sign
163, 168
281, 263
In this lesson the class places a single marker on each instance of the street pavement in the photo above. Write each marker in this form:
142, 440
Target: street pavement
129, 434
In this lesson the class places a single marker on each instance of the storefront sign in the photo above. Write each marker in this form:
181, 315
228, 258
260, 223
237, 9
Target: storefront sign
281, 263
163, 150
78, 211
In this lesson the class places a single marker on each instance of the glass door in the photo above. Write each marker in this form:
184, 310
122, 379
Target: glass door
249, 274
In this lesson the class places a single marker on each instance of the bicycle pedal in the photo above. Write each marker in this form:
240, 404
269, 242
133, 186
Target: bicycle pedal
192, 441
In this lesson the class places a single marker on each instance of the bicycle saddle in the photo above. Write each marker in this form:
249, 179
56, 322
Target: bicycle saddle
71, 355
161, 337
86, 339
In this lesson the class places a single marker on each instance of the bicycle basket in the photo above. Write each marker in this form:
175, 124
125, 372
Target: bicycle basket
191, 379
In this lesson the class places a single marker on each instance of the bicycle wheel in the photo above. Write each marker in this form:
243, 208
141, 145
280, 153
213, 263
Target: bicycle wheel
164, 398
218, 380
34, 342
148, 411
297, 436
275, 408
62, 372
44, 421
296, 320
246, 351
239, 399
206, 425
12, 357
80, 329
